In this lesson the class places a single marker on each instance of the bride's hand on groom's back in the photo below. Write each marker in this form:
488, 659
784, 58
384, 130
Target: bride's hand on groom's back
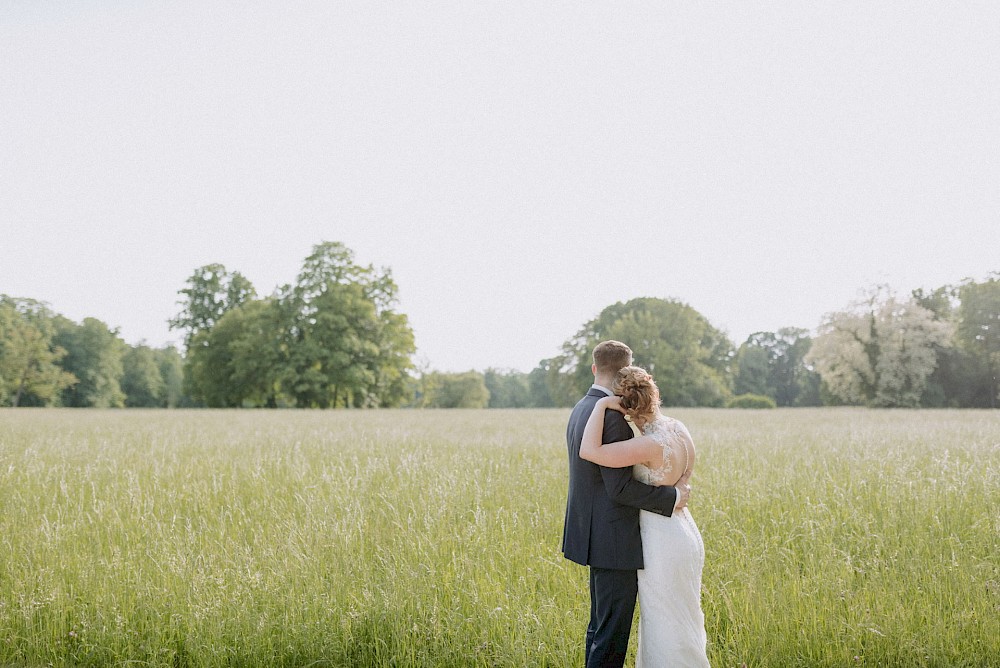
614, 403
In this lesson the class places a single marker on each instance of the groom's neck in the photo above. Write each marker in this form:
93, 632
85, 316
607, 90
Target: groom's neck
604, 380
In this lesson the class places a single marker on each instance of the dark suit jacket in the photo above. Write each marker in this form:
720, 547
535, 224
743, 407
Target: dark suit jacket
602, 508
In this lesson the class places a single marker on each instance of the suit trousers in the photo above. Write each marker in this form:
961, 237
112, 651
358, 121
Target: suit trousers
612, 604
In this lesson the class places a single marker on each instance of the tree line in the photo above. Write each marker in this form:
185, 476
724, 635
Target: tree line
331, 339
335, 339
932, 349
47, 359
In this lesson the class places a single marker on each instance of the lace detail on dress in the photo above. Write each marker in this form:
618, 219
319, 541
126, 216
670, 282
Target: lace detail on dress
669, 433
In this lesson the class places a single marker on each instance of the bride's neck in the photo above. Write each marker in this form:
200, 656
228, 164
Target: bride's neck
641, 422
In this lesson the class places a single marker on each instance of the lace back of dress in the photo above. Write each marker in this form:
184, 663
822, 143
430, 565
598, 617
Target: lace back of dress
673, 436
654, 476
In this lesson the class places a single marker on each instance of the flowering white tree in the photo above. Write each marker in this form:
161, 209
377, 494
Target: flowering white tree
880, 351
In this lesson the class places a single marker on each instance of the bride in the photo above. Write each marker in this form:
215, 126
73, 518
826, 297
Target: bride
671, 623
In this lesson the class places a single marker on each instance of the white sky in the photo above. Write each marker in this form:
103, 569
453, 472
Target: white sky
518, 165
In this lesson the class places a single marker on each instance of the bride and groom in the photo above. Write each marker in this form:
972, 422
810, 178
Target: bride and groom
627, 519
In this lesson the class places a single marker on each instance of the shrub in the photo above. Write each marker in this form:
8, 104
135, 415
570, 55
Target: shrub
752, 401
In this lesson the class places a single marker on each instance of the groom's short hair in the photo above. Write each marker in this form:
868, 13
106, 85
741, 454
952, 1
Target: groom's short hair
611, 356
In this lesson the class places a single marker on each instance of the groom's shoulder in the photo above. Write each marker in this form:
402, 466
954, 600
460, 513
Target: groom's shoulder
586, 404
590, 398
582, 403
616, 427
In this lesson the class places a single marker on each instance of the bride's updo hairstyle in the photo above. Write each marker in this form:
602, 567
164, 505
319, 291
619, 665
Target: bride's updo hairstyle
640, 396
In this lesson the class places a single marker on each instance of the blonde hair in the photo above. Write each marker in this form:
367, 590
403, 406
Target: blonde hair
640, 396
610, 356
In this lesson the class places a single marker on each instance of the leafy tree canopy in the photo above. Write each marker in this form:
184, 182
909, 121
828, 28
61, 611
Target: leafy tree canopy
456, 390
879, 351
689, 358
332, 339
773, 364
142, 381
978, 337
211, 291
94, 355
30, 370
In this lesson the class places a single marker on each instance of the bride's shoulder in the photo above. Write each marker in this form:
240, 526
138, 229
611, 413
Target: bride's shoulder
672, 421
674, 425
660, 426
667, 421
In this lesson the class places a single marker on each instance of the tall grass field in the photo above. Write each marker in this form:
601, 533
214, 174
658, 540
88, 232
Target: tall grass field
834, 537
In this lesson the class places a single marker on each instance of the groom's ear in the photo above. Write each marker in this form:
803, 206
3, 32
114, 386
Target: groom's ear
593, 369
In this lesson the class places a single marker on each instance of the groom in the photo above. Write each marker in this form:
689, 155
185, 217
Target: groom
602, 517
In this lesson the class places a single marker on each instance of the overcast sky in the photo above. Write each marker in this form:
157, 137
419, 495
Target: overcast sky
518, 165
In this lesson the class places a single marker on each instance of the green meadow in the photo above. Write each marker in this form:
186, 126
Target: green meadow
834, 537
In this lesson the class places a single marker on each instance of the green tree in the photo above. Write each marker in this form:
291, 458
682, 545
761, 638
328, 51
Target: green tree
211, 292
753, 370
142, 380
347, 346
239, 361
332, 339
29, 357
978, 336
562, 378
773, 364
948, 384
171, 366
94, 355
689, 358
538, 386
880, 351
456, 390
332, 348
393, 365
507, 388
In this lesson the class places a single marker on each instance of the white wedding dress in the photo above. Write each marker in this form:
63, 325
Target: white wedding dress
671, 623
